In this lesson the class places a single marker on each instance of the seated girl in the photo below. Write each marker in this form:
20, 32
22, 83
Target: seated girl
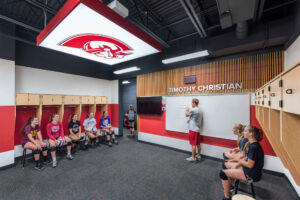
56, 138
32, 139
105, 125
238, 151
248, 168
91, 130
75, 131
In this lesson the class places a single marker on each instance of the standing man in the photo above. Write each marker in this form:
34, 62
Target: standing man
195, 118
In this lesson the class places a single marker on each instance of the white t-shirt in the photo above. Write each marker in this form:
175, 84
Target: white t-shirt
89, 123
195, 119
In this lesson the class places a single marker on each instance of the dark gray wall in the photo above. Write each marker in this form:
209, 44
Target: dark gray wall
129, 95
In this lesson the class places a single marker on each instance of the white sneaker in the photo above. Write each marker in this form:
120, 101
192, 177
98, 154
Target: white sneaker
191, 159
198, 158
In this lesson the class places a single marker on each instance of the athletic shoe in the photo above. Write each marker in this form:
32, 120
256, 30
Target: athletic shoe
191, 159
109, 144
39, 166
54, 164
69, 157
115, 142
48, 161
198, 158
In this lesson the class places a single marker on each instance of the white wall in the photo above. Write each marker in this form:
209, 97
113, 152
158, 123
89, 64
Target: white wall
31, 80
7, 82
292, 54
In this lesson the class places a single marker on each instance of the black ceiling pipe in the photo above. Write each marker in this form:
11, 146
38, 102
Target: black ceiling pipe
241, 30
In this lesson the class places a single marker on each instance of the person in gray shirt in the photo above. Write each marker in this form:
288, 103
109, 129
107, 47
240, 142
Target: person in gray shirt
131, 118
194, 123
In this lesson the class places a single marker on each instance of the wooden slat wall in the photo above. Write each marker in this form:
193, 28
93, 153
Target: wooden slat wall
252, 71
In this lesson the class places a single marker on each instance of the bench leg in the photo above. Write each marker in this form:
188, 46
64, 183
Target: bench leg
23, 158
252, 190
236, 186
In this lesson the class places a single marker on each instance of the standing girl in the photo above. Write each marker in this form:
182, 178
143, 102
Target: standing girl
131, 118
55, 134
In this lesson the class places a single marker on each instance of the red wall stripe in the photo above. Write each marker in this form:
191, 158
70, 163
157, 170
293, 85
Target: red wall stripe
156, 125
7, 124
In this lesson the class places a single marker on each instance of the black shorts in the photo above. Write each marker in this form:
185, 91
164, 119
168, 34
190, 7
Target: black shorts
250, 176
130, 120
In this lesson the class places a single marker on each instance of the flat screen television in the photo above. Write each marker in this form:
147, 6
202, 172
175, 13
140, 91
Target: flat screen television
149, 105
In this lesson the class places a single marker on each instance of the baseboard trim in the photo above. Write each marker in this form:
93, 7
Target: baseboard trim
278, 174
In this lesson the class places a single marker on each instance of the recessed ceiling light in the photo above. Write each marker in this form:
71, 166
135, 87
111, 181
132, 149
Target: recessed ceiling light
126, 70
125, 82
186, 57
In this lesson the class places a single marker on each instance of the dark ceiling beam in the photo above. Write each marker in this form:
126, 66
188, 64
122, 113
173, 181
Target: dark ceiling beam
20, 23
190, 15
42, 6
193, 12
194, 33
281, 5
149, 32
17, 38
145, 4
260, 9
202, 13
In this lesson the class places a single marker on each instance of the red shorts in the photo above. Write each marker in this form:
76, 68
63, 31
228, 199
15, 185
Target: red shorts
194, 138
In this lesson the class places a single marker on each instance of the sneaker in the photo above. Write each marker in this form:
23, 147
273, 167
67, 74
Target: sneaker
198, 157
191, 159
54, 164
69, 157
115, 142
109, 144
48, 161
39, 166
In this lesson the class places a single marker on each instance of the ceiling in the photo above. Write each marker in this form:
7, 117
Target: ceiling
169, 23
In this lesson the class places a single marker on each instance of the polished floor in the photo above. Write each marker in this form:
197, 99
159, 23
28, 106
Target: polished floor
131, 170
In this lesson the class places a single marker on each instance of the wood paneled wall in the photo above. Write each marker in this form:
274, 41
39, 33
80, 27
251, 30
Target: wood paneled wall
251, 71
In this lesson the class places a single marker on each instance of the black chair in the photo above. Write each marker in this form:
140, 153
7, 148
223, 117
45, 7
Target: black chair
23, 159
236, 187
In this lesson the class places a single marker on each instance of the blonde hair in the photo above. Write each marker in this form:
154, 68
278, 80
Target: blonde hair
240, 128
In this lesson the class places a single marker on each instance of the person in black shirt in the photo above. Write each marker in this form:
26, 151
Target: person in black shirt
248, 168
75, 131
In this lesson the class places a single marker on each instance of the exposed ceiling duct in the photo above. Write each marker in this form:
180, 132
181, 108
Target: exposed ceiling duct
239, 12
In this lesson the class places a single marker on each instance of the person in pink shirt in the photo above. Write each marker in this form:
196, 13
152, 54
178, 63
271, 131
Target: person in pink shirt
56, 137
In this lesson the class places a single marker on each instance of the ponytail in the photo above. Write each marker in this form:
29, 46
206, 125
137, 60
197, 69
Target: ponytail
257, 133
28, 122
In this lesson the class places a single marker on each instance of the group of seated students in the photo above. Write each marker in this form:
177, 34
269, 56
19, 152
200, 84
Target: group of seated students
32, 137
245, 162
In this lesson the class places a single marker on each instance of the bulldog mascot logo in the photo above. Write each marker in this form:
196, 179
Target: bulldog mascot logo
99, 45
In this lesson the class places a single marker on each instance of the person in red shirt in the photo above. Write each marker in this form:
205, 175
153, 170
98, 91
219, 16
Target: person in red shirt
32, 139
56, 136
